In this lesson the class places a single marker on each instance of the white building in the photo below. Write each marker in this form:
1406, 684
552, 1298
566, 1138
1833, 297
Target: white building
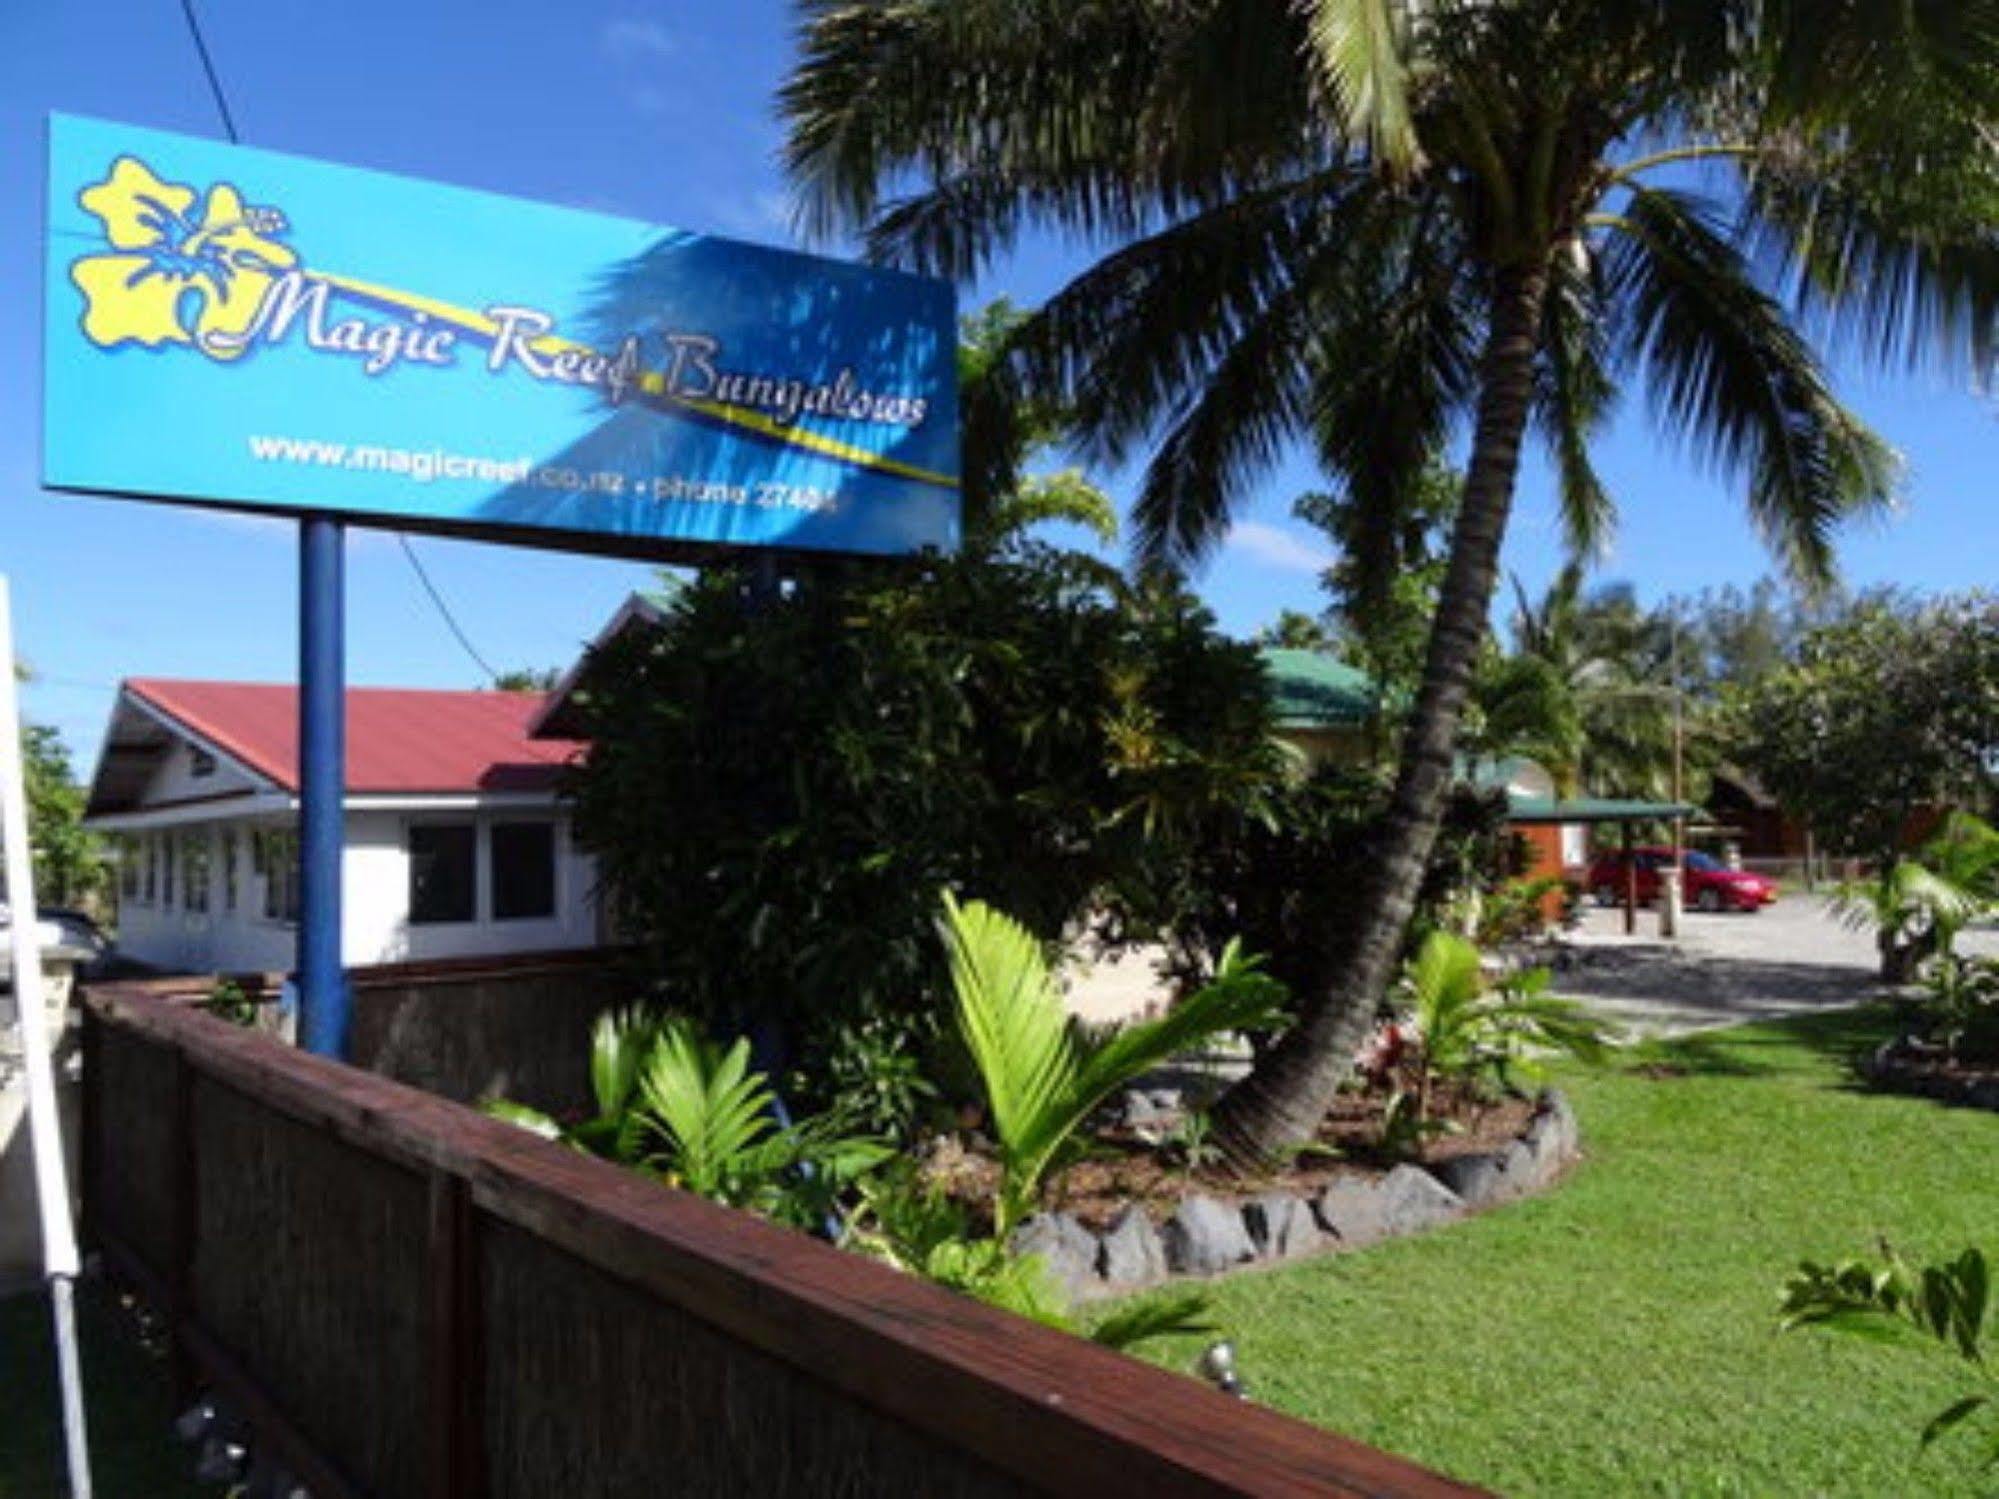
456, 845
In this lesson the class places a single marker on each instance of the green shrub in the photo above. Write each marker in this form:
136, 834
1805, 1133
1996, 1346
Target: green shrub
774, 796
1284, 882
227, 1000
1962, 1007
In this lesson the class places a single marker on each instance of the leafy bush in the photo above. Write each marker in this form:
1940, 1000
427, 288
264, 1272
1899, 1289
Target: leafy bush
1041, 1073
1947, 1305
691, 1113
1962, 1007
1285, 881
1515, 910
774, 796
226, 1000
875, 1068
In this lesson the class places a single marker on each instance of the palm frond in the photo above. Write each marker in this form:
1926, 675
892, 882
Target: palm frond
1042, 1076
711, 1110
1088, 100
618, 1043
1241, 996
1573, 399
1357, 46
1731, 375
1443, 985
534, 1121
1396, 350
1179, 1315
1012, 1022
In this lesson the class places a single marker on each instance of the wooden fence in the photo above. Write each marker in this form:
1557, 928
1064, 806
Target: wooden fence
407, 1298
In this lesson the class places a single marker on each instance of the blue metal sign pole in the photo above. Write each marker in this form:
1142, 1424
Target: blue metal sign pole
323, 996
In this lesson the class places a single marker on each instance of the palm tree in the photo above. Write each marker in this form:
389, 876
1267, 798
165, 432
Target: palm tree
1375, 225
1585, 690
1295, 630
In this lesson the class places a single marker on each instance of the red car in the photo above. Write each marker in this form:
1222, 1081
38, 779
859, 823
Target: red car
1710, 884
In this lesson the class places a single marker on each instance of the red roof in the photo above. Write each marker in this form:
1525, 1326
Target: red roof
398, 739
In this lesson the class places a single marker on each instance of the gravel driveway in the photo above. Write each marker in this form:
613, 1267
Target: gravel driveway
1727, 968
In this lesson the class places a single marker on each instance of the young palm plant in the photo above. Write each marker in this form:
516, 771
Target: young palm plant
1371, 226
1917, 906
691, 1112
1041, 1073
1482, 1031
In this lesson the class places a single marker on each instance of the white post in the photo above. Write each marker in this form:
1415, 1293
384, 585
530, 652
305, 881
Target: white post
59, 1257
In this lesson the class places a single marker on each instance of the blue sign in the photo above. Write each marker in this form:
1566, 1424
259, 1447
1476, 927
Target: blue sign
240, 328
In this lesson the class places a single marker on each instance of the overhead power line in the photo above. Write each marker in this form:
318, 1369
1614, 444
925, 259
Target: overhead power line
445, 609
208, 68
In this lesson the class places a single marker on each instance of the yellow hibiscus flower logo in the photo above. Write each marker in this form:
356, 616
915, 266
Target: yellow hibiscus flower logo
173, 276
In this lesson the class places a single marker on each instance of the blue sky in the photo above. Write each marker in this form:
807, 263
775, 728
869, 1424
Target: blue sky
662, 112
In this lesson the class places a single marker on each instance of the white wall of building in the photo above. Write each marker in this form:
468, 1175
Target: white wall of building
245, 935
186, 772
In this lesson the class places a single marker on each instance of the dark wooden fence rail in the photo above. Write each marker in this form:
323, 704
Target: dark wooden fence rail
407, 1298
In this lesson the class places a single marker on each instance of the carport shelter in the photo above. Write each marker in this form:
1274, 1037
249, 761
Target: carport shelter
1548, 816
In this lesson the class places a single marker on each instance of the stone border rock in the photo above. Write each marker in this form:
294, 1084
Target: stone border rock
1901, 1066
1205, 1236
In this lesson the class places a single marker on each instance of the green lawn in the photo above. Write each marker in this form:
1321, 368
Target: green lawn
1617, 1336
133, 1453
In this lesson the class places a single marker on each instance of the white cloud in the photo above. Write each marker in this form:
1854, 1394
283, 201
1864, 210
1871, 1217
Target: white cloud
1275, 547
764, 215
633, 39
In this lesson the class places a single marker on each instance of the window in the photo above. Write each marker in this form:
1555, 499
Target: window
276, 854
194, 871
167, 842
131, 866
152, 868
523, 870
227, 854
443, 873
1702, 863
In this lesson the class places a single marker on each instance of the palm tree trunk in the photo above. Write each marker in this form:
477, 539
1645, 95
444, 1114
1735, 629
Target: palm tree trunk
1287, 1093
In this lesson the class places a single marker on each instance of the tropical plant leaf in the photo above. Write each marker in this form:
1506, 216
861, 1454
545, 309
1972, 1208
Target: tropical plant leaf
1358, 47
1042, 1075
710, 1109
618, 1044
532, 1120
1186, 1314
1731, 373
1951, 1415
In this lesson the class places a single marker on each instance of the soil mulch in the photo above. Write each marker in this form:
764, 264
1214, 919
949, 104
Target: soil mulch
1120, 1168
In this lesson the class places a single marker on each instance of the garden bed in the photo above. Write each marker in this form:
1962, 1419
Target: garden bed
1909, 1064
1127, 1216
1127, 1166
